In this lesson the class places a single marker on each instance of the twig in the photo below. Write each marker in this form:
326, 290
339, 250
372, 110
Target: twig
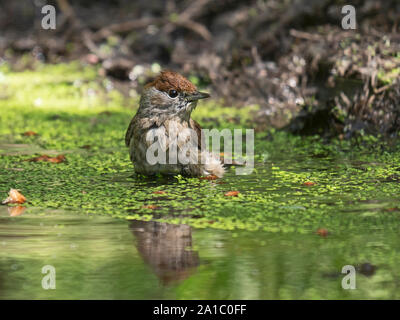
126, 27
77, 24
193, 9
89, 43
381, 89
69, 12
305, 35
194, 26
185, 19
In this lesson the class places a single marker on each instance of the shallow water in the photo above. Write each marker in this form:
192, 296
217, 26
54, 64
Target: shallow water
97, 257
260, 245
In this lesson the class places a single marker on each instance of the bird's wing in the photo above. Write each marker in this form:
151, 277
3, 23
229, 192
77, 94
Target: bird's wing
129, 132
139, 125
196, 127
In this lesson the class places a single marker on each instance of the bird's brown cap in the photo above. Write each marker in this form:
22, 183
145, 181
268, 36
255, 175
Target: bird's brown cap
170, 80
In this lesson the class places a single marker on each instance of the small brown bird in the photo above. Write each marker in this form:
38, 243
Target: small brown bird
162, 123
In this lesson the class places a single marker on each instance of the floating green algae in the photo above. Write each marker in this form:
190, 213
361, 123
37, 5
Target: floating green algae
78, 114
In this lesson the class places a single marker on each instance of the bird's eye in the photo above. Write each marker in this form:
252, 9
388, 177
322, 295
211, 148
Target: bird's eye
173, 93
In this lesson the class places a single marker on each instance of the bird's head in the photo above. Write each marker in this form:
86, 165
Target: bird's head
170, 95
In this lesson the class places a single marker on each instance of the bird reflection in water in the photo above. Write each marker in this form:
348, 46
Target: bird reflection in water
167, 248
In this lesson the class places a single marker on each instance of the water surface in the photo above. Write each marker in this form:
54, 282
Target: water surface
98, 257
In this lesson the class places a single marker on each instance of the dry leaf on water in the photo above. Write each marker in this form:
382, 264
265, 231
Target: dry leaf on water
159, 192
322, 232
14, 196
231, 194
30, 133
150, 206
60, 158
210, 177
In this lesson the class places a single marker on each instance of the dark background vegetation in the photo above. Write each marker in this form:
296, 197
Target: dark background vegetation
290, 57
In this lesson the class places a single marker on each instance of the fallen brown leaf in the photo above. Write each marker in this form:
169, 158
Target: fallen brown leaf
40, 158
30, 133
308, 183
60, 158
16, 211
159, 192
210, 177
150, 206
322, 232
14, 196
391, 209
231, 194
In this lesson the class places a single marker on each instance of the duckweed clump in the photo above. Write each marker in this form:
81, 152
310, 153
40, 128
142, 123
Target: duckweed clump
78, 114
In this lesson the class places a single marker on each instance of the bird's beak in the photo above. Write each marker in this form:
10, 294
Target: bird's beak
196, 96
